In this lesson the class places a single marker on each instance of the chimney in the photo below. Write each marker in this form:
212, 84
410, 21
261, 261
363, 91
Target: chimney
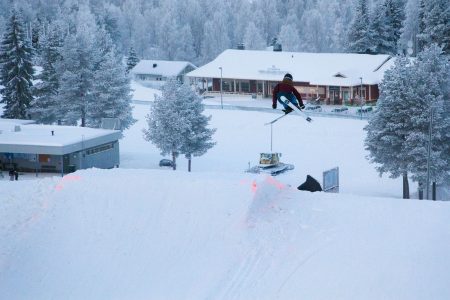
240, 46
277, 47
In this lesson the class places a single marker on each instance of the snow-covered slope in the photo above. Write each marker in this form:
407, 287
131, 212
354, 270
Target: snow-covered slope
159, 234
220, 233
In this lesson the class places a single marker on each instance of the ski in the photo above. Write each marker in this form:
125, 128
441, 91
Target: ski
273, 121
297, 110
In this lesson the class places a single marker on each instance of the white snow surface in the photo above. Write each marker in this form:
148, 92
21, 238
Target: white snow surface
143, 232
143, 93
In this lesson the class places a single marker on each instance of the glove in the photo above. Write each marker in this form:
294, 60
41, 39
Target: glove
274, 106
301, 106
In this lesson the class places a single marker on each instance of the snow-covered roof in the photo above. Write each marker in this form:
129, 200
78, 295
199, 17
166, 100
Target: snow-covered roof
17, 137
315, 68
162, 68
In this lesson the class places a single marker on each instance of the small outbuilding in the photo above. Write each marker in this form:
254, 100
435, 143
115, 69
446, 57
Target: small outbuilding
52, 148
156, 72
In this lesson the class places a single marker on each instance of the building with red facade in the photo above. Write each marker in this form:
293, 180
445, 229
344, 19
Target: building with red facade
334, 78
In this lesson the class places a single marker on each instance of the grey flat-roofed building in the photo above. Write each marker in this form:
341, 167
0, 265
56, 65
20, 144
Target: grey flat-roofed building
53, 148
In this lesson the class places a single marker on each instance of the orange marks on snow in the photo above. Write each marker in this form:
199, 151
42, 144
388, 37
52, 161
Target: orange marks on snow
254, 186
65, 179
269, 180
275, 182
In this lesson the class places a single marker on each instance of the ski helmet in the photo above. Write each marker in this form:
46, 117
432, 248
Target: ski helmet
288, 76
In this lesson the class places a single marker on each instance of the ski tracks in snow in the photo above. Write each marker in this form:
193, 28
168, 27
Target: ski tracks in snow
278, 235
18, 213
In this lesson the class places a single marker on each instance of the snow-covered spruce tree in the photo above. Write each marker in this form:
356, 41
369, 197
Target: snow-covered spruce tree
398, 133
165, 126
289, 36
360, 34
197, 138
380, 29
253, 39
111, 93
434, 24
80, 57
267, 18
176, 124
389, 127
181, 43
36, 35
386, 25
16, 69
410, 28
431, 91
132, 59
216, 36
315, 37
420, 36
45, 105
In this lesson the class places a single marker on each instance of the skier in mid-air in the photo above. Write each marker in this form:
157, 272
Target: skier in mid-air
286, 88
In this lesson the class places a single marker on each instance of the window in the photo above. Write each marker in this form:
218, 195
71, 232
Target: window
98, 149
260, 87
245, 86
226, 86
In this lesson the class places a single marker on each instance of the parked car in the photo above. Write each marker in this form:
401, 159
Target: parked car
339, 109
313, 107
165, 163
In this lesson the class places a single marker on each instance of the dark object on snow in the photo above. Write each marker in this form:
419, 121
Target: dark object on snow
310, 184
165, 163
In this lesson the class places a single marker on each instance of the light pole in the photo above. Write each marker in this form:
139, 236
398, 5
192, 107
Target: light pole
221, 98
430, 136
360, 97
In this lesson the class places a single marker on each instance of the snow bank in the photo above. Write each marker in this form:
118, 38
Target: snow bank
159, 234
143, 93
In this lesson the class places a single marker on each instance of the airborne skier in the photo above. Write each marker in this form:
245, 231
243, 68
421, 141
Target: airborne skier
286, 88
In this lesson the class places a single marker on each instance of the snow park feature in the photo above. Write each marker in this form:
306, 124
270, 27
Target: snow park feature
331, 180
270, 163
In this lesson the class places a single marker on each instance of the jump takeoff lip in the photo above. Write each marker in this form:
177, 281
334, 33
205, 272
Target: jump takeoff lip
65, 179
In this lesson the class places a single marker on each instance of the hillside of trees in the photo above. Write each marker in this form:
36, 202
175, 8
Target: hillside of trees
198, 30
80, 45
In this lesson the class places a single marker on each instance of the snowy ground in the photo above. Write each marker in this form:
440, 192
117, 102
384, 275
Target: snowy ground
241, 136
143, 232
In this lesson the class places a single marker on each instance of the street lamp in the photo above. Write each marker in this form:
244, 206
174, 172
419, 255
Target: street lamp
430, 136
221, 98
360, 97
